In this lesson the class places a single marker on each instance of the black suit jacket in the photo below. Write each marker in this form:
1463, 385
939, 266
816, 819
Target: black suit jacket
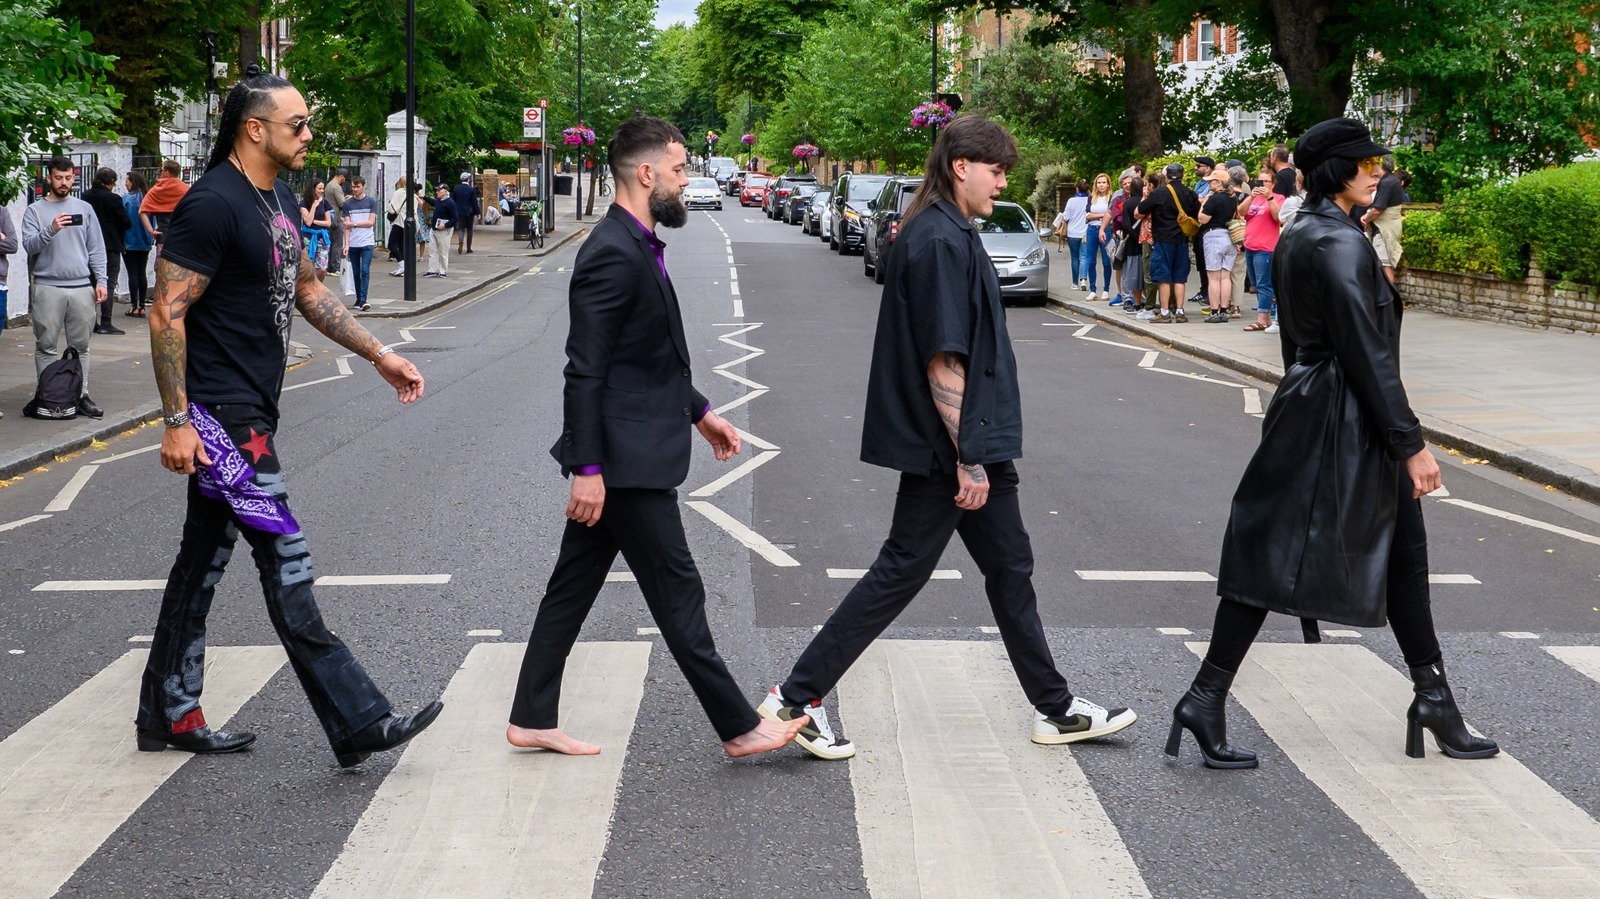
629, 400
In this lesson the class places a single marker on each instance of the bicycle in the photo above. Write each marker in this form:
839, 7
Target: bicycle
535, 224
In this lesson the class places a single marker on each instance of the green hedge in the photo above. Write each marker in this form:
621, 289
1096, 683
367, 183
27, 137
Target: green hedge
1549, 219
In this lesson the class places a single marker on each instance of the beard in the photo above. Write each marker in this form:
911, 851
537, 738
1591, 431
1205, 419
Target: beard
288, 157
668, 209
61, 191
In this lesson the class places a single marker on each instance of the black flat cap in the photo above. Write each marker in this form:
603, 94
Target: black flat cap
1205, 161
1336, 138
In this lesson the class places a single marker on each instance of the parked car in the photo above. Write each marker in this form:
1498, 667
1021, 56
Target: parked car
794, 208
850, 196
721, 168
883, 224
774, 203
735, 182
1015, 247
754, 190
811, 215
702, 192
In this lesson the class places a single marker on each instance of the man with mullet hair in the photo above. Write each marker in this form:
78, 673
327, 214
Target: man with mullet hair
944, 410
229, 279
627, 408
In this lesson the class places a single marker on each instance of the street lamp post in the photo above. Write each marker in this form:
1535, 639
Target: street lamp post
578, 178
409, 252
210, 36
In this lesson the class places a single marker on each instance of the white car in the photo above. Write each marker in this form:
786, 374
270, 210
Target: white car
702, 192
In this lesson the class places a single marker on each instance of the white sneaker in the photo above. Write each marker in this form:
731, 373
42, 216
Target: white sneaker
1271, 329
1145, 315
1084, 721
818, 737
1083, 285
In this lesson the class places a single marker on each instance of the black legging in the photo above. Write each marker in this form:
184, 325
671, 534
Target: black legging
138, 284
1410, 610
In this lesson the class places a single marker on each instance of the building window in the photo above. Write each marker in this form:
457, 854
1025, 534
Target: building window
283, 30
1249, 126
1209, 35
1166, 49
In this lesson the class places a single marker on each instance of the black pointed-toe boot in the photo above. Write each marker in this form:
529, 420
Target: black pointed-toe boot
1203, 712
1434, 708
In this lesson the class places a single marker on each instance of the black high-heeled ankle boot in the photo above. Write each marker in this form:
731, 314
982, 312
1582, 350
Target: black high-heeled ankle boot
1434, 708
1203, 712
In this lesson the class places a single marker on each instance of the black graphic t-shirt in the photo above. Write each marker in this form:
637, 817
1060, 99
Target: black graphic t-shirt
248, 242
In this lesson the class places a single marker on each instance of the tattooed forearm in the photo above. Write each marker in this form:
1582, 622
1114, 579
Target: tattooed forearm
328, 314
177, 289
947, 379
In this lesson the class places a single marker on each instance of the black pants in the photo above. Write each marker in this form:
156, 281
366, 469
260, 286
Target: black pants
136, 261
113, 269
343, 697
1200, 266
925, 517
645, 526
464, 233
1410, 606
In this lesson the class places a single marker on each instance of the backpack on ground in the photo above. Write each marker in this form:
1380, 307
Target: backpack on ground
1188, 224
60, 385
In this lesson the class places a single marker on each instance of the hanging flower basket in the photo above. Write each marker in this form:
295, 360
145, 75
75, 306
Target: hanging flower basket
807, 151
932, 115
577, 136
712, 137
748, 140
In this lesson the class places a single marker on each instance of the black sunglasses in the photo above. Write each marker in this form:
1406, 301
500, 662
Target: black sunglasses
298, 125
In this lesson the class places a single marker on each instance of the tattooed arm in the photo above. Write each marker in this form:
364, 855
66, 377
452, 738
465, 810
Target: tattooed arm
947, 379
328, 314
177, 289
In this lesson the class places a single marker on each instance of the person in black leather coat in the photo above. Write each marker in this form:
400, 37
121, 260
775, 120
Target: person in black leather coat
1327, 521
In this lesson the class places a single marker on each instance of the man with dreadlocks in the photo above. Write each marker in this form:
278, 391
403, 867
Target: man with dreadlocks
228, 281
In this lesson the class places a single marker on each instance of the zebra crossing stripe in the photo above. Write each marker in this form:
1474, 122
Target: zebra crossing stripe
465, 814
951, 797
1586, 659
71, 776
1456, 828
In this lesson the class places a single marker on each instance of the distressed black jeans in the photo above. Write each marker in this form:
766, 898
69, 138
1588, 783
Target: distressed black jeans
343, 697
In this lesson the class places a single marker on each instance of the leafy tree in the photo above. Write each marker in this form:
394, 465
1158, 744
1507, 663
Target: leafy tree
159, 53
1042, 90
52, 86
745, 45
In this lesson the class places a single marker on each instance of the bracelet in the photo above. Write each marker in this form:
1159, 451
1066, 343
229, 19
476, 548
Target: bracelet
382, 351
968, 468
176, 421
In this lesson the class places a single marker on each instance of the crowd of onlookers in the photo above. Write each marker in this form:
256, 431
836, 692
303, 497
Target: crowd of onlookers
1135, 243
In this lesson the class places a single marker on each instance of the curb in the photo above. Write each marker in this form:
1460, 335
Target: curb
1515, 458
444, 299
550, 246
45, 451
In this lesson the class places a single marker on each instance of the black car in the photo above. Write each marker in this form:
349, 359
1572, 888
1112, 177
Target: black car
850, 196
795, 206
776, 200
811, 216
883, 224
735, 184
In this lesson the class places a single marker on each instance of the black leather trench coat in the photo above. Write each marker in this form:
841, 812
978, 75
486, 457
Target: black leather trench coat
1313, 519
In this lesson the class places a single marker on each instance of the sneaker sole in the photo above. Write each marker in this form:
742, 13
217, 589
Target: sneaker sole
1057, 739
815, 748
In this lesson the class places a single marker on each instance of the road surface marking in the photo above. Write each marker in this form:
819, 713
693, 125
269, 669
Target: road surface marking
1178, 576
755, 441
1530, 522
1455, 828
141, 638
1174, 631
1460, 579
465, 814
485, 632
1252, 401
80, 479
1586, 659
856, 574
373, 580
749, 465
733, 273
71, 776
131, 453
648, 631
988, 629
1441, 493
1082, 331
734, 286
13, 525
1519, 635
740, 401
1194, 377
343, 362
753, 354
90, 586
739, 379
1341, 633
1149, 360
951, 797
620, 577
755, 542
315, 383
738, 308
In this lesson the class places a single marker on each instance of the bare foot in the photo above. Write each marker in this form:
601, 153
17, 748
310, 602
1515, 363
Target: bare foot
553, 739
767, 736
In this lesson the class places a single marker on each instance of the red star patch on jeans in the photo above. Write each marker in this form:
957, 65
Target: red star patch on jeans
256, 446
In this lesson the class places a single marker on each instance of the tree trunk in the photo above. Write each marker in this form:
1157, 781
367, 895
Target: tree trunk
594, 188
250, 38
1141, 86
1318, 67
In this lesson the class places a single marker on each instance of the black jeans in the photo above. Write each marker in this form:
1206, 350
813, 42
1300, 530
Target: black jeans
645, 526
103, 310
136, 261
344, 698
925, 517
1410, 605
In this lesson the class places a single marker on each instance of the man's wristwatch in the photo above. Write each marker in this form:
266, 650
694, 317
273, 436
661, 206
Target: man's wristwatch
382, 351
176, 421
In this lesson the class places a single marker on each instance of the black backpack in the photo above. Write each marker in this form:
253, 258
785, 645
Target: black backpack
60, 385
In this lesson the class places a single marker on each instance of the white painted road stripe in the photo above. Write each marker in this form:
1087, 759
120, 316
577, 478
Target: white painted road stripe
1456, 828
484, 632
1177, 576
1530, 522
13, 525
90, 586
130, 453
951, 797
80, 479
759, 544
749, 465
736, 403
332, 580
856, 574
1465, 579
1149, 360
465, 814
1252, 401
755, 441
739, 379
343, 362
71, 776
738, 308
316, 382
620, 577
1586, 659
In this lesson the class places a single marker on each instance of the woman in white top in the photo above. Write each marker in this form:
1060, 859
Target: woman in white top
395, 213
1070, 226
1094, 248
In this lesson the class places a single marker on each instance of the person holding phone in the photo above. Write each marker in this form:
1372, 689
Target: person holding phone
67, 255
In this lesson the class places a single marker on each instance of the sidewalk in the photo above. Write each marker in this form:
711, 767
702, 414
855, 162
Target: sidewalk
119, 374
1527, 401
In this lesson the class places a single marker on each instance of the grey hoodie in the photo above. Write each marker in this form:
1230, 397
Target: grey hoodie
68, 257
8, 245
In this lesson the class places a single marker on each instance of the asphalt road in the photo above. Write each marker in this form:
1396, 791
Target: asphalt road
1131, 456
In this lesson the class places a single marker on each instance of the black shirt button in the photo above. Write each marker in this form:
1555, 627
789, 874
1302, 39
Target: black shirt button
685, 410
686, 373
989, 372
983, 421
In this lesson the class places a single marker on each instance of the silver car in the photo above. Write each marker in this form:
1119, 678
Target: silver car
825, 218
816, 207
702, 192
1014, 245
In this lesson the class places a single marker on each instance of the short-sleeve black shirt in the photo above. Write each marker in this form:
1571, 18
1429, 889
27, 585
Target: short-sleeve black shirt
1390, 194
1164, 213
941, 295
1221, 206
248, 242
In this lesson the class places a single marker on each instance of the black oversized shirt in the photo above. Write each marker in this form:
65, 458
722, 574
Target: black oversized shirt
940, 295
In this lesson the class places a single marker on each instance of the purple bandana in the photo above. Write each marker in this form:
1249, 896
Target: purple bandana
231, 478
